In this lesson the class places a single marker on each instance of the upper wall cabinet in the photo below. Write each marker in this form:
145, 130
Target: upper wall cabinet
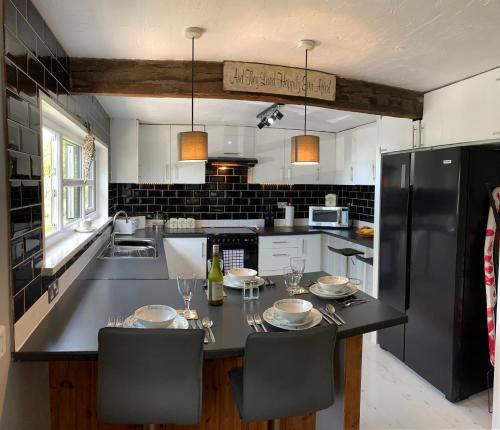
467, 111
270, 153
154, 153
184, 172
397, 134
124, 150
229, 141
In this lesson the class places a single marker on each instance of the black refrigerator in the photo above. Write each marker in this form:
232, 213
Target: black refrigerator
433, 214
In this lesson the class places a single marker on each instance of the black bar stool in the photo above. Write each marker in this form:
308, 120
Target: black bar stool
285, 374
149, 376
346, 252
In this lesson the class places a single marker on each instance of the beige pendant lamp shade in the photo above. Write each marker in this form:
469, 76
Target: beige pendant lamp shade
305, 147
193, 145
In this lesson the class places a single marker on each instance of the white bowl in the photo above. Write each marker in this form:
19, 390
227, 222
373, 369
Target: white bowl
333, 284
292, 310
155, 316
241, 274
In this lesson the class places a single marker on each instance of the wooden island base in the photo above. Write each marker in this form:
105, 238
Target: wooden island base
73, 396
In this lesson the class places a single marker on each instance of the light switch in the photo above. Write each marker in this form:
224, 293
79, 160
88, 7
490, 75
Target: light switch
3, 341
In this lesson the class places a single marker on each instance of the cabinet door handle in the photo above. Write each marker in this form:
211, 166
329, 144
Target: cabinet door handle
280, 255
352, 174
281, 241
373, 171
166, 174
203, 249
422, 136
303, 246
403, 176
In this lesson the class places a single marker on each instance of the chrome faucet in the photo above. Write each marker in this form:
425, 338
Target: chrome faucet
113, 234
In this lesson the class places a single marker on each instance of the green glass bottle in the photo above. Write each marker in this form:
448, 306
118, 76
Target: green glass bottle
215, 280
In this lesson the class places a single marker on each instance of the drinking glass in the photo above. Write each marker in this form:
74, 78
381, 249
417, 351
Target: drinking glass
186, 285
298, 265
289, 279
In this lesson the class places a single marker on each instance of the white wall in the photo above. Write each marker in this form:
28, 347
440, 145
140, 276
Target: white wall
24, 387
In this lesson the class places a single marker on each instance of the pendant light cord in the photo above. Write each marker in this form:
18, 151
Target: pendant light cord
305, 102
192, 84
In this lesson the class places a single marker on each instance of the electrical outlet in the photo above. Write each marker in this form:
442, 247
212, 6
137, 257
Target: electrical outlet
282, 205
53, 290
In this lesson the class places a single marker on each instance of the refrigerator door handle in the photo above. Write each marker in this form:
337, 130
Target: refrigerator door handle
403, 176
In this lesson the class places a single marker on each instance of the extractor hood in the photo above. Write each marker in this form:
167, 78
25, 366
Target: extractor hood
231, 162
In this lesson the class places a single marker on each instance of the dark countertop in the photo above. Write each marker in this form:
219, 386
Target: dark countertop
70, 331
130, 268
348, 234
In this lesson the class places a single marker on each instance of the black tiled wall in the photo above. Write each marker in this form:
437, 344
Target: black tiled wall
228, 195
34, 61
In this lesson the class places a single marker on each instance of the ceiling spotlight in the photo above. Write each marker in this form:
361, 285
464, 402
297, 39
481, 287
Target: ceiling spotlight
269, 116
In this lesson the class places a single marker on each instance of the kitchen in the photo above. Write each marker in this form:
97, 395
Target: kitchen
252, 198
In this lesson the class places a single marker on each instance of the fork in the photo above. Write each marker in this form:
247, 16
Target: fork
111, 322
119, 322
251, 322
258, 321
200, 325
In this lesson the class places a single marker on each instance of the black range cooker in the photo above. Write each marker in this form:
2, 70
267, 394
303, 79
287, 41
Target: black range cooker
238, 246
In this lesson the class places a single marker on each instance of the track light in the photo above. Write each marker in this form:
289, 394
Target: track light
269, 116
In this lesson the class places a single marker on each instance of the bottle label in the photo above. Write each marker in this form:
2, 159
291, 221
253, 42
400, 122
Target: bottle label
217, 292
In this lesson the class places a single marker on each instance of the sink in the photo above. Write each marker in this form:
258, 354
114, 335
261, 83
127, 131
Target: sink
130, 248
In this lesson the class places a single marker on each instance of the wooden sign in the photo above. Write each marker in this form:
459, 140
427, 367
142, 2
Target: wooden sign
269, 79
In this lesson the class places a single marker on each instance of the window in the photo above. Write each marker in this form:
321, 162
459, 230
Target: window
67, 199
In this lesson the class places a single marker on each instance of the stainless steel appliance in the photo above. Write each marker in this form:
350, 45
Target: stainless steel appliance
326, 216
433, 214
238, 246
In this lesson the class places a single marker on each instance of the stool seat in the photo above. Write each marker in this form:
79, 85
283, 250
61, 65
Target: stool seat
285, 374
346, 252
366, 260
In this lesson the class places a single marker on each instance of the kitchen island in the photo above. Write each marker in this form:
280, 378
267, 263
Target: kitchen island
67, 338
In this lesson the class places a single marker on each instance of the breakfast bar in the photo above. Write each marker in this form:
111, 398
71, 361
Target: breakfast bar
67, 339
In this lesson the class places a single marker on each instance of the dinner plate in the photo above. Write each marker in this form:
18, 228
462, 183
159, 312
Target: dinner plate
85, 230
318, 291
178, 323
270, 317
228, 282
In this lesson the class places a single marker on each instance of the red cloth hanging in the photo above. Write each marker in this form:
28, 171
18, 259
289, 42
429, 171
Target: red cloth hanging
489, 273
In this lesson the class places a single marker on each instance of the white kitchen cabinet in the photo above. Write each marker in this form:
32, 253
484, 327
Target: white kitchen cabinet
124, 150
154, 154
326, 169
186, 256
310, 249
184, 172
397, 134
364, 148
230, 141
344, 170
468, 111
269, 151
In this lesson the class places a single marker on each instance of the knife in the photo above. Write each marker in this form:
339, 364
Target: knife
200, 325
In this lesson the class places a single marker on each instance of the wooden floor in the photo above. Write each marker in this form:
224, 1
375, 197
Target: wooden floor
394, 397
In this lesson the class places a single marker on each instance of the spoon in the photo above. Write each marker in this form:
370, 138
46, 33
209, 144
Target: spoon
331, 310
208, 323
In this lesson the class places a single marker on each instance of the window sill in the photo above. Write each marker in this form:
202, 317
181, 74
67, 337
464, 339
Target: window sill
59, 253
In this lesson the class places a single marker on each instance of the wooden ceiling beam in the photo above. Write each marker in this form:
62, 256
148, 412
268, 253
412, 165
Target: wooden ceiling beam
169, 78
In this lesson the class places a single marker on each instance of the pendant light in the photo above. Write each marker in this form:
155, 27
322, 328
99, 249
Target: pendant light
305, 147
193, 145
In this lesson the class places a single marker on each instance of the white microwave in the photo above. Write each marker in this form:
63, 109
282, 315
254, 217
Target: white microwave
329, 216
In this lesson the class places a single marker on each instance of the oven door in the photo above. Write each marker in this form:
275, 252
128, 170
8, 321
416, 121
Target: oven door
325, 216
237, 255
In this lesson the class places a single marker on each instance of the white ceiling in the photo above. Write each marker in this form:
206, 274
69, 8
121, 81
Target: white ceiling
415, 44
227, 112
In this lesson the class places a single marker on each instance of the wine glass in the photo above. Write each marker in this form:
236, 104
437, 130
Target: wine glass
288, 279
186, 287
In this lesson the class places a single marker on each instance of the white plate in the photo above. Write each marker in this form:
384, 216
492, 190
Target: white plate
85, 230
228, 282
317, 291
179, 323
270, 318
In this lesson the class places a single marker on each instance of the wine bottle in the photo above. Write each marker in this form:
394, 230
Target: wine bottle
215, 280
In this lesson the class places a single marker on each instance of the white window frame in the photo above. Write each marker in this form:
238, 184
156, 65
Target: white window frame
62, 134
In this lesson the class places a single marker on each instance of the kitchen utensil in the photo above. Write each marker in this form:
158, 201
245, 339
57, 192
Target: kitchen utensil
208, 323
328, 318
125, 226
258, 321
354, 302
251, 322
200, 325
331, 310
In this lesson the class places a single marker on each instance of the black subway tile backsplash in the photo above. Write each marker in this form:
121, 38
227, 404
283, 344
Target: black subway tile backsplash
34, 61
229, 196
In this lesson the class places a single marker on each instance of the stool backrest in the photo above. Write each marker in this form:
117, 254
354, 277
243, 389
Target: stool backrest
149, 376
288, 373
